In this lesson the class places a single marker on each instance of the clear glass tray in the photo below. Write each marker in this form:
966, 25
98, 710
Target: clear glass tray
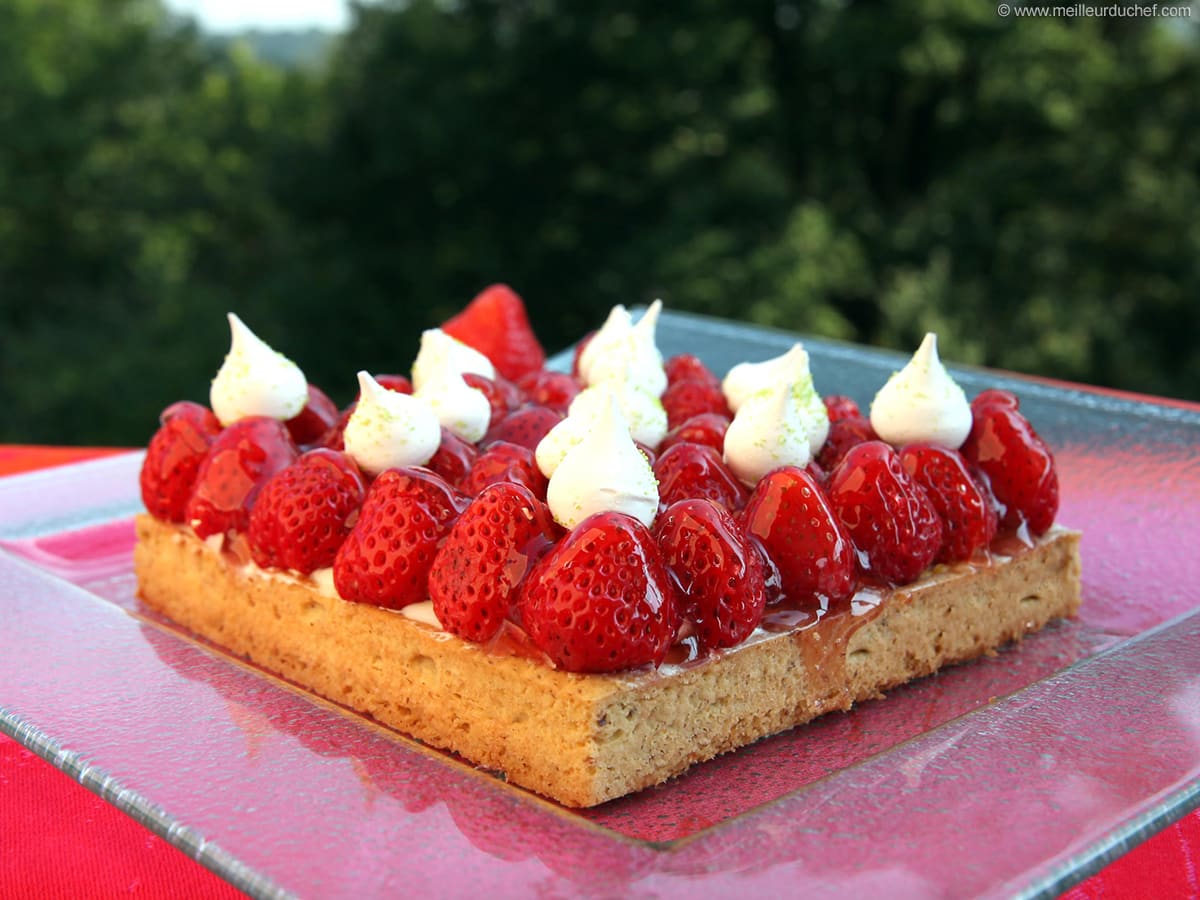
1019, 774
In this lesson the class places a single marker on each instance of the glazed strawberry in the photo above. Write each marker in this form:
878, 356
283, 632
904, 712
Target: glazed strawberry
791, 517
1018, 465
966, 509
718, 572
493, 544
495, 323
706, 428
398, 383
502, 461
318, 416
686, 367
501, 393
174, 457
304, 512
995, 396
840, 406
239, 462
525, 426
888, 515
844, 433
685, 399
453, 459
696, 470
601, 600
546, 388
579, 350
386, 558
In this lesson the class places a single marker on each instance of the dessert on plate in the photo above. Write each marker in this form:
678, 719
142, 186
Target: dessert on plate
590, 581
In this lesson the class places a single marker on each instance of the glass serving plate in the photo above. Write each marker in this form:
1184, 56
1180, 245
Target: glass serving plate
1019, 774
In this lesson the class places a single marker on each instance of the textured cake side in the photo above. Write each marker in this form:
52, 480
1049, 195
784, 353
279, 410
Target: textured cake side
583, 740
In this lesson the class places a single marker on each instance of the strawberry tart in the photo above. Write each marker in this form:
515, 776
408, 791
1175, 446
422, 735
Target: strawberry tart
588, 582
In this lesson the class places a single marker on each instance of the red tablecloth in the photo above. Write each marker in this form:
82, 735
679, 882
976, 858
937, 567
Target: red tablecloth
58, 840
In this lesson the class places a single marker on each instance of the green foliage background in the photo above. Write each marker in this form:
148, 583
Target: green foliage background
867, 171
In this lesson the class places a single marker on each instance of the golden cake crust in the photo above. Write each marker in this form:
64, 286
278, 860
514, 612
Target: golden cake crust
585, 739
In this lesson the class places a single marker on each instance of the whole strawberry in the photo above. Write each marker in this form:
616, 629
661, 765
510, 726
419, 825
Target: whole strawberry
719, 574
502, 461
601, 600
791, 518
318, 416
304, 512
888, 515
489, 550
495, 323
502, 395
684, 399
240, 461
548, 388
386, 558
696, 470
173, 459
845, 432
525, 426
965, 507
1017, 463
453, 458
706, 428
686, 367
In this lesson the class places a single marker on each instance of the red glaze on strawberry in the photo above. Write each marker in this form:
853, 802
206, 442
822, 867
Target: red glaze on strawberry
546, 388
696, 470
844, 433
239, 462
996, 396
314, 421
174, 457
387, 557
579, 349
398, 383
601, 600
888, 515
686, 367
453, 459
718, 572
525, 426
502, 394
839, 406
707, 428
495, 323
965, 506
304, 512
478, 571
1018, 465
791, 517
502, 461
685, 399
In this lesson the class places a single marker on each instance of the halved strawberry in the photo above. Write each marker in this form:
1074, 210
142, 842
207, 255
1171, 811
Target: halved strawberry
304, 512
888, 515
601, 600
495, 323
386, 558
718, 572
963, 503
688, 470
1017, 463
174, 457
239, 462
489, 550
791, 517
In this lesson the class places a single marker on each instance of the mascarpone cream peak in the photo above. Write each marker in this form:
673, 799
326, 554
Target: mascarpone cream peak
769, 430
389, 430
441, 352
461, 408
604, 471
626, 352
922, 402
255, 380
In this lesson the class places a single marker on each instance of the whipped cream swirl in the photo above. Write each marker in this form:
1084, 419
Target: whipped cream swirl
922, 402
255, 380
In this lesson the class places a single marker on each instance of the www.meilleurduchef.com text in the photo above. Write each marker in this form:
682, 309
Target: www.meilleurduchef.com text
1086, 10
